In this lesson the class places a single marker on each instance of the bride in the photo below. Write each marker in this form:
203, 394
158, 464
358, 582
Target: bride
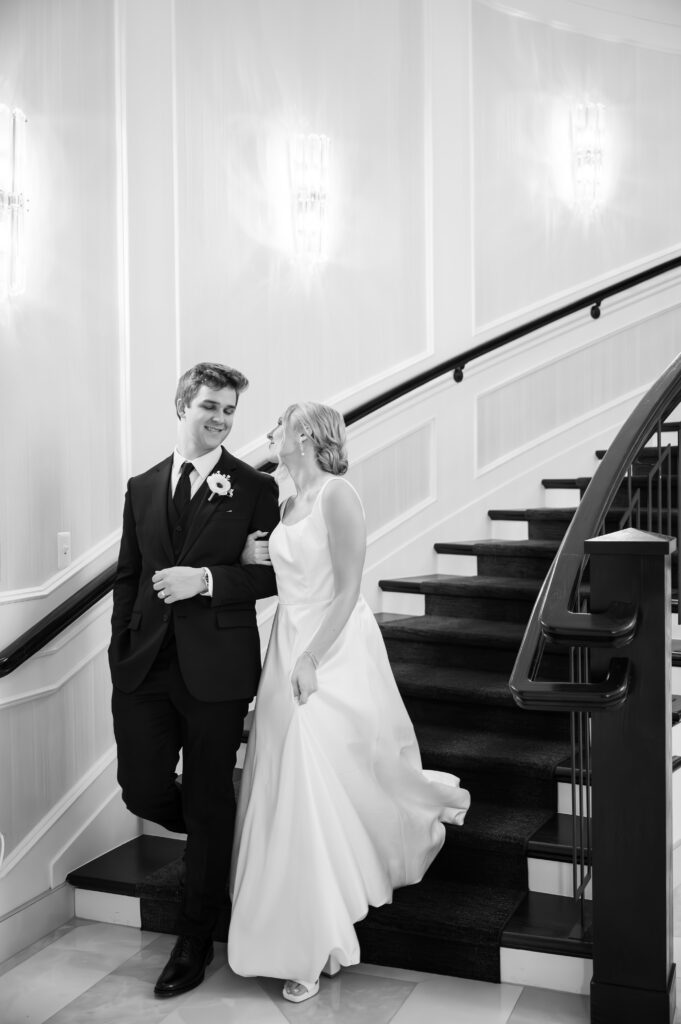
335, 810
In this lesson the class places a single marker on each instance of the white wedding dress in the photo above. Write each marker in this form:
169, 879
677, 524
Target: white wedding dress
334, 810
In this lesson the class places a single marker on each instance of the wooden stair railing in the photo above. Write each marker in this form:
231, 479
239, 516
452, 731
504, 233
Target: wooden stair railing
619, 696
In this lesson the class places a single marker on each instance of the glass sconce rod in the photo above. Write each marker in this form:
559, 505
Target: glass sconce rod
12, 201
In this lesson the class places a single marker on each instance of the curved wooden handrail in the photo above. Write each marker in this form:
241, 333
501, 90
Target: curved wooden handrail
47, 628
551, 618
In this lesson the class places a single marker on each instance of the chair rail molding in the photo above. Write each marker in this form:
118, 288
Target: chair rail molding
661, 293
50, 669
104, 550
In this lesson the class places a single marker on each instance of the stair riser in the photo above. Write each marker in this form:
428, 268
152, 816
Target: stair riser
514, 788
424, 953
622, 498
487, 608
493, 659
479, 865
555, 529
510, 719
164, 916
517, 567
546, 529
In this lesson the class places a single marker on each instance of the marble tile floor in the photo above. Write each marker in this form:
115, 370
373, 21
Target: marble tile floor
91, 973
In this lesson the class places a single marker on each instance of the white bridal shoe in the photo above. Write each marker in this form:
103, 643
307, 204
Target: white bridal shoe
305, 990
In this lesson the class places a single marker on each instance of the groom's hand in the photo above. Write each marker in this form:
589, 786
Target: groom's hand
177, 583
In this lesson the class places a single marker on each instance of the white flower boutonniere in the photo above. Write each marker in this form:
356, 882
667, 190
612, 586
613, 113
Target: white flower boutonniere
221, 485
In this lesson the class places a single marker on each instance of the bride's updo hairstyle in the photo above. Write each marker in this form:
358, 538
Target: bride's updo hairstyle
325, 428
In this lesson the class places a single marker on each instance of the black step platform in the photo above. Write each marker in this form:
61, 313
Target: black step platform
123, 870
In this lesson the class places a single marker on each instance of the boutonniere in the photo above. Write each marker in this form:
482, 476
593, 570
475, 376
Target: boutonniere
221, 485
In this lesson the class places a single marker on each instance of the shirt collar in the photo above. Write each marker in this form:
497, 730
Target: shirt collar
203, 464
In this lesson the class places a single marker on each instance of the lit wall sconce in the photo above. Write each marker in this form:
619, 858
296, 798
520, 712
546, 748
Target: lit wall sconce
587, 124
309, 156
12, 202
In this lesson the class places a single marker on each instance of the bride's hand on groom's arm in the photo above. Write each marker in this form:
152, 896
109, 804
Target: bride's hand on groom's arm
177, 583
256, 549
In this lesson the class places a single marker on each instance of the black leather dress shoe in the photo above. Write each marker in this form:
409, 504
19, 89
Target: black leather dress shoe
186, 967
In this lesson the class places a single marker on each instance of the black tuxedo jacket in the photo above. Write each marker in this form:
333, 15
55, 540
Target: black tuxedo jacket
217, 640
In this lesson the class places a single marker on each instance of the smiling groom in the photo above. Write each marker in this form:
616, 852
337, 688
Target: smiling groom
185, 649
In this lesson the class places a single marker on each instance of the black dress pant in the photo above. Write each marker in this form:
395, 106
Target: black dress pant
151, 725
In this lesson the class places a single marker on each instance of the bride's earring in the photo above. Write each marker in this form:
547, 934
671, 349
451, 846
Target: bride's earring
300, 444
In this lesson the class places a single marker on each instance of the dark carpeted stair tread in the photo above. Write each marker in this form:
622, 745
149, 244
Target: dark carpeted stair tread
444, 629
123, 869
553, 839
521, 514
647, 454
550, 924
512, 548
572, 483
481, 586
447, 910
499, 826
545, 514
447, 684
469, 752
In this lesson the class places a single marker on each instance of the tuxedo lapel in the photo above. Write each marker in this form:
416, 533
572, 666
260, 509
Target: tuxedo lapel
159, 505
205, 508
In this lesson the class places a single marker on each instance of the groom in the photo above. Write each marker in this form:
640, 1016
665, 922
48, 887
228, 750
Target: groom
185, 649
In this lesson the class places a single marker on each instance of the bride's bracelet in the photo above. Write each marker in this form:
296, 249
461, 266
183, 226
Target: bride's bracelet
312, 658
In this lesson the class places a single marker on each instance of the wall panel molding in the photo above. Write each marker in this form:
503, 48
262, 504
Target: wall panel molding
122, 197
90, 820
396, 478
536, 404
57, 812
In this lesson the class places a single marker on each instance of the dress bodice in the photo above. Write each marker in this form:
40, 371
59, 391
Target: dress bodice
301, 557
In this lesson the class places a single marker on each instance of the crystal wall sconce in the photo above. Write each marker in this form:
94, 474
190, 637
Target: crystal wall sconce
587, 125
12, 202
309, 156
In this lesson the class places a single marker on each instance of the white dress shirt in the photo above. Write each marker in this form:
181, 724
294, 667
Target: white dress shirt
203, 467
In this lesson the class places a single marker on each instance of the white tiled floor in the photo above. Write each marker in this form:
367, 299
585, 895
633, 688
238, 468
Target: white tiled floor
91, 973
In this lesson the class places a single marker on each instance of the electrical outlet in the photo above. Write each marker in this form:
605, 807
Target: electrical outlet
63, 550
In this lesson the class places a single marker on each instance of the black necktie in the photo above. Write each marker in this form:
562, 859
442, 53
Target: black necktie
183, 490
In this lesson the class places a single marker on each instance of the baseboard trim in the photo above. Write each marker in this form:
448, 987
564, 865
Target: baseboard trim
36, 917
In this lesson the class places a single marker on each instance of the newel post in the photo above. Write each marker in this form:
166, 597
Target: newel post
633, 973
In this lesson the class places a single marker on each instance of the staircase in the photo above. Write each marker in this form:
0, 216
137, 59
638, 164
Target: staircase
452, 665
496, 905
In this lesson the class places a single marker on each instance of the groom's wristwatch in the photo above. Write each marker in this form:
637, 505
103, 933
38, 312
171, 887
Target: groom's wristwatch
205, 575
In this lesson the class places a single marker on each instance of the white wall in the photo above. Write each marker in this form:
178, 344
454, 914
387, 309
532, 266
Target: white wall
160, 234
530, 244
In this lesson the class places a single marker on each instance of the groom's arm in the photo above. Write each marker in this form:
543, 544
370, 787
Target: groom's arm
234, 584
128, 570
